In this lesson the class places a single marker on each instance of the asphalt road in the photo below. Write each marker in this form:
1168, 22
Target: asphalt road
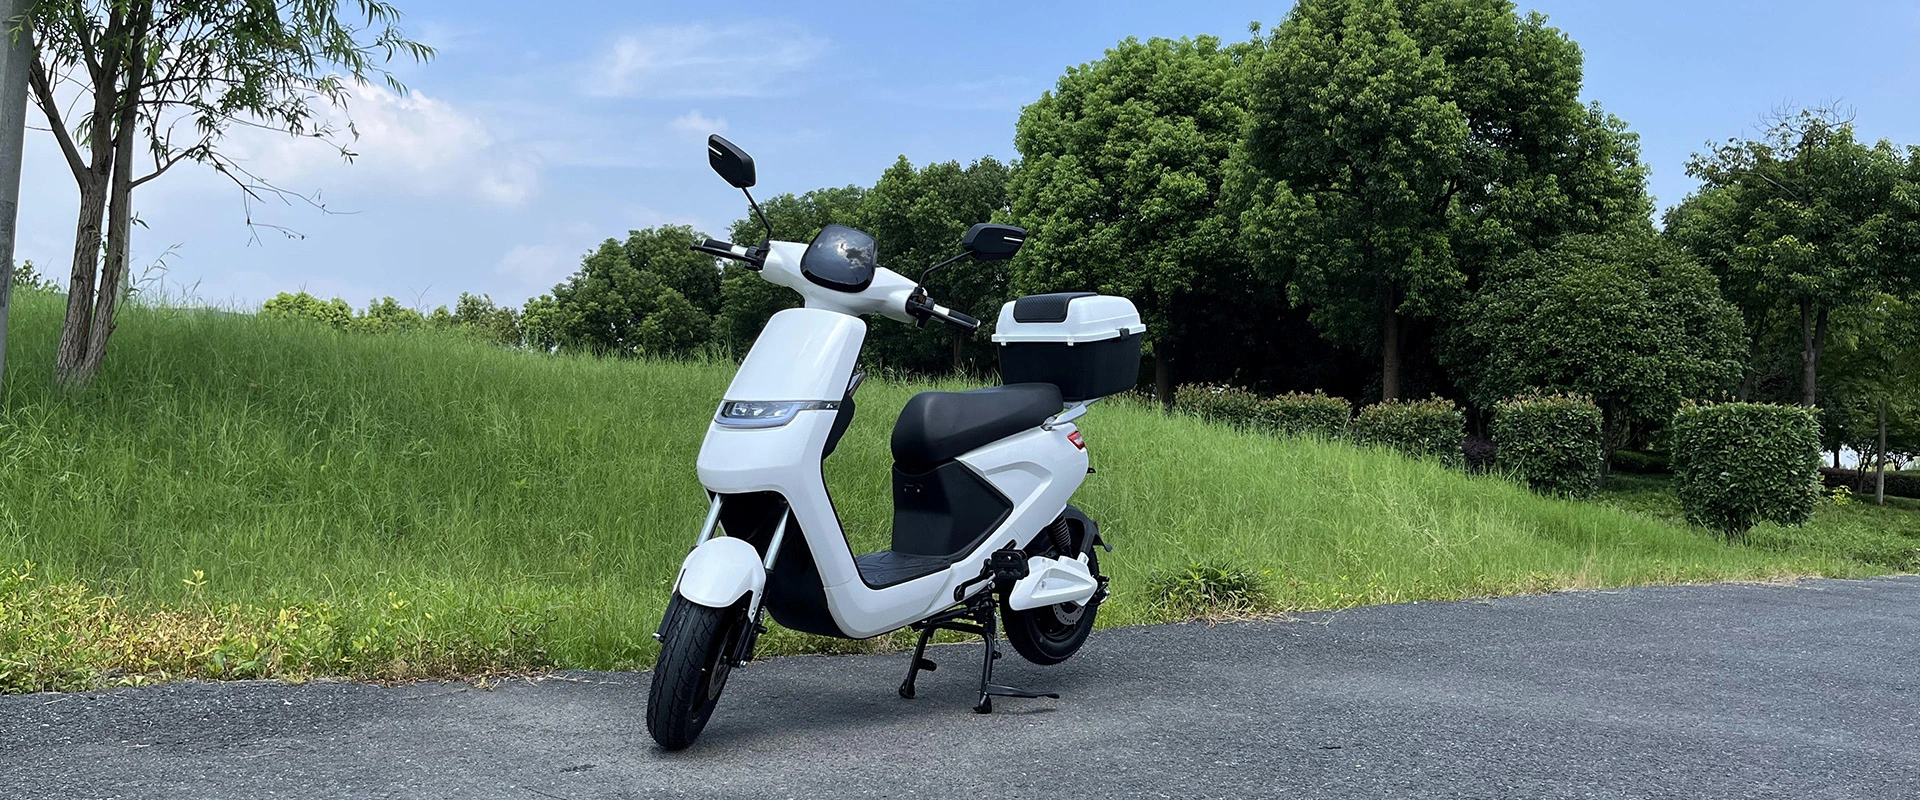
1716, 691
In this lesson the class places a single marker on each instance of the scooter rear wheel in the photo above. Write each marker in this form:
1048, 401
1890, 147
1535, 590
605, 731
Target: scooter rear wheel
695, 658
1051, 634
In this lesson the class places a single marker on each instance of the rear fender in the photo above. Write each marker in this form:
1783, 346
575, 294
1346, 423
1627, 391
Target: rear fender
1090, 530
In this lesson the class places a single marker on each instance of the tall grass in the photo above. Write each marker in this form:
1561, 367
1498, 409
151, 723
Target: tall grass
238, 465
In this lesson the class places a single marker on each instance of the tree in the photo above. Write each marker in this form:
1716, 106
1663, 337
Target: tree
1876, 366
675, 329
663, 251
16, 52
919, 216
603, 307
599, 308
746, 301
1395, 148
1627, 319
479, 316
1119, 183
386, 315
168, 79
1797, 218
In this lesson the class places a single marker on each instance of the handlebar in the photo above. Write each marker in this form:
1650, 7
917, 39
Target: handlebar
753, 257
920, 307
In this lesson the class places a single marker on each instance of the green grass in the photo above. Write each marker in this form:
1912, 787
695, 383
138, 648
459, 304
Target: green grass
246, 497
1851, 528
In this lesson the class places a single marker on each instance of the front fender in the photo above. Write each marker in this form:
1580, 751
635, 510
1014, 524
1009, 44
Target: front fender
721, 571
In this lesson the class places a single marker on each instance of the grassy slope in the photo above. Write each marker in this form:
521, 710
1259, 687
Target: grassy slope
428, 487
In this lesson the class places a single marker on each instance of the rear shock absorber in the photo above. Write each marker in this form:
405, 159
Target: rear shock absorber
1062, 538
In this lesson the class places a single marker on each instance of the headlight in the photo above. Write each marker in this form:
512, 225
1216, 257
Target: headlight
767, 413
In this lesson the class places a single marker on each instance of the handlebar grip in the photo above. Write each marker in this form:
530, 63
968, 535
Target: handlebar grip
714, 247
922, 308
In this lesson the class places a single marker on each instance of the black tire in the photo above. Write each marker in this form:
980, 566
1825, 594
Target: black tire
1051, 634
695, 660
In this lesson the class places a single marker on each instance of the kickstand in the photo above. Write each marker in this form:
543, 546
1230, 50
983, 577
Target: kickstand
919, 662
979, 616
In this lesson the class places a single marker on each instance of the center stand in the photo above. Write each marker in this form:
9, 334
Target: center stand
978, 615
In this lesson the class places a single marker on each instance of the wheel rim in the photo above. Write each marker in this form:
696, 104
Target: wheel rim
718, 667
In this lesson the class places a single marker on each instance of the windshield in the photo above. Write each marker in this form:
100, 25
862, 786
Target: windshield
841, 258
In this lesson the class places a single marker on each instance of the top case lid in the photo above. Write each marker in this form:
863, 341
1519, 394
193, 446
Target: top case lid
1069, 317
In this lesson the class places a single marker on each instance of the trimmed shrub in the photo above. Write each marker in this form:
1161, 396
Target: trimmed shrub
1316, 414
1432, 428
1645, 463
1551, 442
1230, 405
1737, 464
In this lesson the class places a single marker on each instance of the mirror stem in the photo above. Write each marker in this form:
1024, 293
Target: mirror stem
923, 275
758, 213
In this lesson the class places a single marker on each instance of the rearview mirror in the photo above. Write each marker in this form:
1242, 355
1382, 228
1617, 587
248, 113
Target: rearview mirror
732, 163
990, 242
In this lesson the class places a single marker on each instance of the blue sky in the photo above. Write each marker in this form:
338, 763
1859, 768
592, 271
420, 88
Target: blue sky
533, 136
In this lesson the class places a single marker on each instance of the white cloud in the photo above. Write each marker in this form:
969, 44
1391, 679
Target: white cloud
746, 60
698, 125
410, 142
537, 266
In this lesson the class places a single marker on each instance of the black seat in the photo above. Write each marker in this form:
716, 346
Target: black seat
937, 426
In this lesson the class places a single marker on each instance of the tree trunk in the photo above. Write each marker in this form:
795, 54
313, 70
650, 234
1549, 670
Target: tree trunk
113, 274
1162, 377
109, 187
1880, 459
75, 333
16, 56
959, 352
1390, 352
1813, 331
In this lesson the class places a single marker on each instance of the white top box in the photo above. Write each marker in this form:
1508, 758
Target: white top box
1067, 318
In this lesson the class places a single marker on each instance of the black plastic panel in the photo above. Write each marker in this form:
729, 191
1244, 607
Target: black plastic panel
946, 512
1082, 371
795, 596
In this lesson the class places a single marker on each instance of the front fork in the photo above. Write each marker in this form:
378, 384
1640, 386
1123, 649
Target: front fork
720, 571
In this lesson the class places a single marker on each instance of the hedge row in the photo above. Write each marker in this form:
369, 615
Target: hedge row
1898, 484
1316, 414
1432, 428
1423, 429
1738, 464
1550, 442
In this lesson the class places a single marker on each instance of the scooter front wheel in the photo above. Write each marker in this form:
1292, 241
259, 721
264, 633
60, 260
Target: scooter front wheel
696, 655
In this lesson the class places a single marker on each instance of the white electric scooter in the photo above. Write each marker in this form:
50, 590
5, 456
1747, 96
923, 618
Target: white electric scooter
982, 530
